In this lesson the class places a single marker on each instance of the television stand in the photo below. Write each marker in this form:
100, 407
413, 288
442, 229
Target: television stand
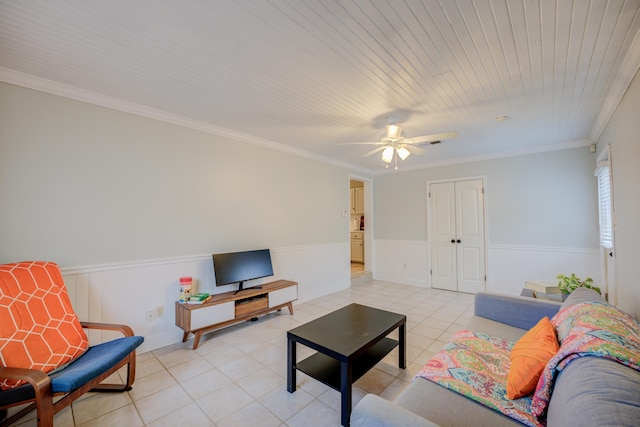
228, 308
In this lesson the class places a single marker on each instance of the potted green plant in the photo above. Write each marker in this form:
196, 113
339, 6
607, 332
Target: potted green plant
568, 284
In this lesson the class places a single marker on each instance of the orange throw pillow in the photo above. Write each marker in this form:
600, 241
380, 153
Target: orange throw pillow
38, 327
529, 356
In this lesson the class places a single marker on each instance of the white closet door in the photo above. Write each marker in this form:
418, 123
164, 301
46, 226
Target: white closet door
443, 230
470, 236
457, 236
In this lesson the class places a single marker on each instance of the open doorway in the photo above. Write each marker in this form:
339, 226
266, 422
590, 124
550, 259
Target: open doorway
360, 227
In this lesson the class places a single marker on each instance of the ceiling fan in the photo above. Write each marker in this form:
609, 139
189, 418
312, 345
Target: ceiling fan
395, 144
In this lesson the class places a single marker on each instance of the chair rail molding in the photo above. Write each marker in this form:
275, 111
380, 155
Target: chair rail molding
124, 292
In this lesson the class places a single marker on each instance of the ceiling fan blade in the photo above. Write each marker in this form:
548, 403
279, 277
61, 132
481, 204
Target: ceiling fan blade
429, 138
375, 150
415, 150
361, 143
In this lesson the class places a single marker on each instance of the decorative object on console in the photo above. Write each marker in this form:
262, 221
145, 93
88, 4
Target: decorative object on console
544, 287
199, 298
185, 288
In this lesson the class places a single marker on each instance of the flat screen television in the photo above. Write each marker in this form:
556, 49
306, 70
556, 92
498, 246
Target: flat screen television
238, 267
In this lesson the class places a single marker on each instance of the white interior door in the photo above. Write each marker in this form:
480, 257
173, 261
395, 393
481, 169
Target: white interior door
443, 230
457, 235
470, 235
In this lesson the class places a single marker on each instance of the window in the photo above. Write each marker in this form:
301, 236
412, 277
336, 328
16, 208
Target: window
603, 173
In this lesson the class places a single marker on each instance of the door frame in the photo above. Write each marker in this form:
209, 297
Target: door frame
368, 221
483, 178
607, 261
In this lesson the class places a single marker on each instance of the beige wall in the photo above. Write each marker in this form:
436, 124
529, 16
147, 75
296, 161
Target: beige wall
126, 205
83, 185
546, 199
623, 133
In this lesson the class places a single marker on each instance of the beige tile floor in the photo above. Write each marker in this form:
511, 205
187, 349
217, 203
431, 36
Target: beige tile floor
237, 376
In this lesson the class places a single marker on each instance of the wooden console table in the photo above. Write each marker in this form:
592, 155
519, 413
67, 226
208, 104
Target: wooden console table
231, 307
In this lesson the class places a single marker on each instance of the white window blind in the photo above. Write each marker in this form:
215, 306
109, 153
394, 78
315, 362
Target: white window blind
604, 205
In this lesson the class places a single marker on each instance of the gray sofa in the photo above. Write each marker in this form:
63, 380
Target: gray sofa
589, 391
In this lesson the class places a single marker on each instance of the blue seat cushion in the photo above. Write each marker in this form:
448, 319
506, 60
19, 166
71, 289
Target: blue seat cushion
96, 360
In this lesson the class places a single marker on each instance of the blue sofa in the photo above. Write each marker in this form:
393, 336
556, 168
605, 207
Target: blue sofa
588, 391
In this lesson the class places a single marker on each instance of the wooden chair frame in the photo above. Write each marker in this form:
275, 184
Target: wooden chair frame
43, 401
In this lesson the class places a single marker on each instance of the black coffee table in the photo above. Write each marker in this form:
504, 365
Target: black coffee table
349, 342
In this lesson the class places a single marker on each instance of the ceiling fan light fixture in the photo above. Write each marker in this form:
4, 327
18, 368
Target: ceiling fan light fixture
395, 146
394, 131
403, 153
387, 154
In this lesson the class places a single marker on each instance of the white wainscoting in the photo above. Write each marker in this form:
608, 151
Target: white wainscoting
508, 266
402, 261
124, 292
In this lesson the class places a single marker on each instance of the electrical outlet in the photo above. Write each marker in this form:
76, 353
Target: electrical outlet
150, 316
159, 311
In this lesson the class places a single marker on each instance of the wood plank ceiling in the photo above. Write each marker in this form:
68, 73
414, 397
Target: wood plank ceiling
305, 75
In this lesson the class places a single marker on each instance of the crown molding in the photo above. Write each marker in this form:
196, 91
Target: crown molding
501, 155
628, 69
29, 81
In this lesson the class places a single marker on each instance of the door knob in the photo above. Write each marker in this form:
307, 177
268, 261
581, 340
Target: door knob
453, 241
458, 241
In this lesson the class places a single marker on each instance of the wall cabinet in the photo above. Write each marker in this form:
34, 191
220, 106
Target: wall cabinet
230, 307
357, 246
357, 200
